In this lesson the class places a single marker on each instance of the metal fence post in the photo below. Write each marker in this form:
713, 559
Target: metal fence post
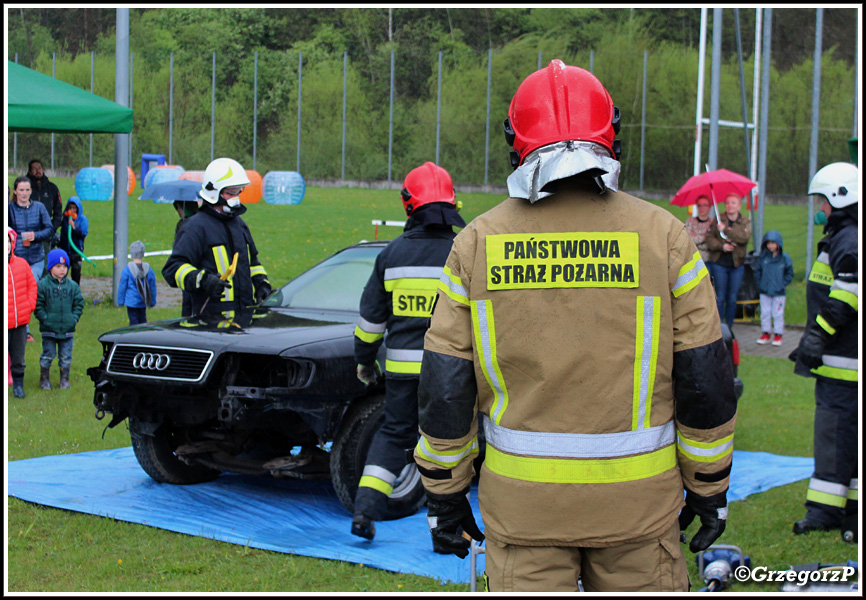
170, 105
539, 60
591, 60
53, 59
131, 84
255, 103
487, 121
391, 117
91, 91
345, 70
438, 106
300, 76
765, 119
212, 104
121, 141
643, 120
15, 137
813, 146
715, 92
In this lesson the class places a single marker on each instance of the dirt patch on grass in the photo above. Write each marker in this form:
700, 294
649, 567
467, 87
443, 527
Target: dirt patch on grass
100, 289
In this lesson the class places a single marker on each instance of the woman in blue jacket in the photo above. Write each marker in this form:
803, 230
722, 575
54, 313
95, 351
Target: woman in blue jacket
31, 222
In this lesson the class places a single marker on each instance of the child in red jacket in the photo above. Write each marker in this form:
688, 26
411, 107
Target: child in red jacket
22, 301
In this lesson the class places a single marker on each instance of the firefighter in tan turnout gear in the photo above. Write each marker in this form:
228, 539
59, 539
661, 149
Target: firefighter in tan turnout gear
582, 325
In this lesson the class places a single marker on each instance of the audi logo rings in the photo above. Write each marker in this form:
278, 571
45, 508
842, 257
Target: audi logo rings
153, 362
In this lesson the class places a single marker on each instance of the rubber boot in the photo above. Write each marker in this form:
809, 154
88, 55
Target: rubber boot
363, 526
44, 381
18, 387
64, 378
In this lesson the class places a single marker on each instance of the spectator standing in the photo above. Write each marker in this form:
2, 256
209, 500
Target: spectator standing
32, 225
47, 193
59, 305
21, 300
773, 271
727, 241
699, 226
76, 224
137, 289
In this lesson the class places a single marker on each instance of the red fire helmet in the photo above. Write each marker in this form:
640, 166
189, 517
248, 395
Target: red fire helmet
426, 184
560, 103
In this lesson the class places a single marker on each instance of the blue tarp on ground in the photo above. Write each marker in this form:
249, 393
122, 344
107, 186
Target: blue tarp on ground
294, 517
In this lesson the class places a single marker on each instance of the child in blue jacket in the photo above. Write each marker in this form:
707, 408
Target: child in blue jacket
76, 227
773, 272
137, 289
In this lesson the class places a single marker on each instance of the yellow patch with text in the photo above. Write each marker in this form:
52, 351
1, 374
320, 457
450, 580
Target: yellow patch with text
414, 303
562, 260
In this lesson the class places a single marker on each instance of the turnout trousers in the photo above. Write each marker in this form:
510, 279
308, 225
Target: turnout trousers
388, 451
833, 485
654, 565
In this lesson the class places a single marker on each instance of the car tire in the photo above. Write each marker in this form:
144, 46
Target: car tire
155, 453
349, 455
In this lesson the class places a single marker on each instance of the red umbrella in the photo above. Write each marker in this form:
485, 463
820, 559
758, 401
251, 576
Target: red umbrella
715, 185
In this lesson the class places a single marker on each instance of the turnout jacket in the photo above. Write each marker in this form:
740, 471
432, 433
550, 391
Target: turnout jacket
59, 305
584, 330
206, 244
832, 294
399, 297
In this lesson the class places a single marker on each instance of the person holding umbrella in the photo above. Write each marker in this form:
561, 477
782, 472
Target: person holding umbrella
727, 241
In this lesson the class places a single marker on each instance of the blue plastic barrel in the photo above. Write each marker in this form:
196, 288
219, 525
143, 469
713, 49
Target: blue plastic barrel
94, 183
161, 174
283, 187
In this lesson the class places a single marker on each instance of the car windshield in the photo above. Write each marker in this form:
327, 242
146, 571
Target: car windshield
334, 284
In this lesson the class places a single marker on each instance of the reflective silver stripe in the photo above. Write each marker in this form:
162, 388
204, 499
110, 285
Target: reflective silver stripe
697, 271
845, 286
449, 460
487, 350
455, 287
379, 473
404, 355
578, 445
840, 362
828, 487
854, 485
824, 257
369, 327
413, 273
705, 452
646, 356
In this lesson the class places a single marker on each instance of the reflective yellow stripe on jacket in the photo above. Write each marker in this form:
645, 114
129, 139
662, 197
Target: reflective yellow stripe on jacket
221, 258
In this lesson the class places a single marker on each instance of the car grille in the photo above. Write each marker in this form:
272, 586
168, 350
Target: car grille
159, 362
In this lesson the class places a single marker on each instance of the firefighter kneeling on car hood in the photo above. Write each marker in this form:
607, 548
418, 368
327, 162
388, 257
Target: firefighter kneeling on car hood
581, 324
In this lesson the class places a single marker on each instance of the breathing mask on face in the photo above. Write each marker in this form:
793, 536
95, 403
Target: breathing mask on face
820, 218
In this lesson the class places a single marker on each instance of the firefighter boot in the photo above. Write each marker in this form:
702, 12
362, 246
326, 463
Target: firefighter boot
363, 526
18, 387
64, 378
44, 381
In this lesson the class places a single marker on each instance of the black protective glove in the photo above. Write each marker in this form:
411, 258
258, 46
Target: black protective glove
263, 291
213, 286
811, 349
713, 512
448, 516
369, 374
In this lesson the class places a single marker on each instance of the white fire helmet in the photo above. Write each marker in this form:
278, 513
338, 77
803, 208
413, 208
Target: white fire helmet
838, 183
222, 173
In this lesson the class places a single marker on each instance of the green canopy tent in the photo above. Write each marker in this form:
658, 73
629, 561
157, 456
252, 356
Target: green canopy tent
38, 102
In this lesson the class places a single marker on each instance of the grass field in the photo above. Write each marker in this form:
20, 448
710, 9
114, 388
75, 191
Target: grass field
51, 550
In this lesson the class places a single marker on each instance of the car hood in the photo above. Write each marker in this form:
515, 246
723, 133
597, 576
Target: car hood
259, 330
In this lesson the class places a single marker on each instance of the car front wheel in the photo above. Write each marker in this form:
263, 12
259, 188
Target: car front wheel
349, 455
155, 451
